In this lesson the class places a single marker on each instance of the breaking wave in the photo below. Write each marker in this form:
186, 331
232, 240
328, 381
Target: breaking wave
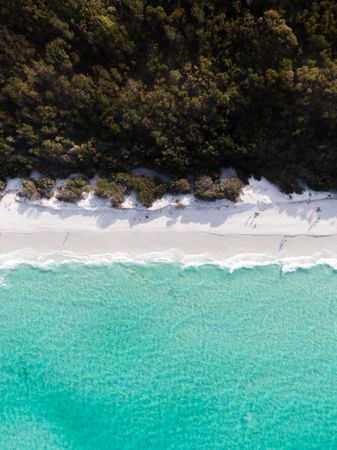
29, 257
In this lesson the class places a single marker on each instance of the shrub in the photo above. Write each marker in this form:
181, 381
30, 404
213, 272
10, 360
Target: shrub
148, 189
109, 190
45, 183
125, 181
207, 189
29, 190
2, 185
231, 188
180, 186
67, 195
102, 188
78, 183
146, 197
161, 189
45, 186
73, 190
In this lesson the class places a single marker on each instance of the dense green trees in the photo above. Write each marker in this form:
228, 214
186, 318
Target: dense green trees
183, 86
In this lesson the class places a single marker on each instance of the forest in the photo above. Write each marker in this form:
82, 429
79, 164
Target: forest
183, 87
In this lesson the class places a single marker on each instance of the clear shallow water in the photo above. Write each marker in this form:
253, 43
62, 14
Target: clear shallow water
132, 357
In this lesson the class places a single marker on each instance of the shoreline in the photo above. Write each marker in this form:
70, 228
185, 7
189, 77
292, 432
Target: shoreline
232, 252
264, 227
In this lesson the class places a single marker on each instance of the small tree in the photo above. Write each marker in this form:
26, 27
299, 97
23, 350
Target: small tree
73, 190
109, 190
29, 190
180, 186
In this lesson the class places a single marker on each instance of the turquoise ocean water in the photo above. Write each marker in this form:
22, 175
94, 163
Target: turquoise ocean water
156, 357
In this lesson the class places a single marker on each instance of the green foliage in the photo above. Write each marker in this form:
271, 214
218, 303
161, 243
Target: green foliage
44, 187
68, 195
148, 189
125, 181
184, 87
180, 186
231, 188
45, 183
73, 190
2, 185
29, 190
109, 190
207, 189
78, 183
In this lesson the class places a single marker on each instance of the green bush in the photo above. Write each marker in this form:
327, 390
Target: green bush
29, 190
161, 189
144, 188
78, 183
2, 185
231, 188
45, 183
125, 181
207, 189
148, 189
45, 186
73, 190
109, 190
146, 197
68, 195
180, 186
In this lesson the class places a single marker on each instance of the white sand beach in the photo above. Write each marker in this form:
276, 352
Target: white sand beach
265, 226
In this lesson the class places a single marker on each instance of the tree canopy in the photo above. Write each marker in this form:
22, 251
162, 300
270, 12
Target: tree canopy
181, 86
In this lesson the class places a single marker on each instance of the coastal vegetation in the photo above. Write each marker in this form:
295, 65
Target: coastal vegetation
109, 190
180, 186
208, 189
34, 190
183, 87
116, 188
29, 190
73, 190
45, 186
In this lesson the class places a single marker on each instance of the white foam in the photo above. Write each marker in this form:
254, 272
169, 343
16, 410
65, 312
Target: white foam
28, 257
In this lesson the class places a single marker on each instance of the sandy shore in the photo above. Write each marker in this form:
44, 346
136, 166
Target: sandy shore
187, 248
265, 226
193, 243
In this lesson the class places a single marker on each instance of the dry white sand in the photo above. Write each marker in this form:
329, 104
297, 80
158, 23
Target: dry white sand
265, 226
